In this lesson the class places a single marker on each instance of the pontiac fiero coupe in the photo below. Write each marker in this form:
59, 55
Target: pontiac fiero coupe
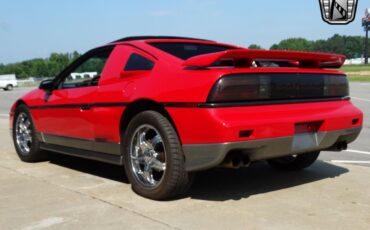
166, 107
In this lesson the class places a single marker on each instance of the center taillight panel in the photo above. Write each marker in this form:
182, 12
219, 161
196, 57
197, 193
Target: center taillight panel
307, 127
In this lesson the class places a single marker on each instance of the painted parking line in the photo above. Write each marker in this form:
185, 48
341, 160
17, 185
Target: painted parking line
4, 115
350, 162
357, 151
361, 99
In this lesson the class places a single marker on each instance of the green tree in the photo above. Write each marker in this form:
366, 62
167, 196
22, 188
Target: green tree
254, 46
351, 46
301, 44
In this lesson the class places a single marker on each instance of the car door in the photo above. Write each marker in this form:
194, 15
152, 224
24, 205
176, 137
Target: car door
125, 67
67, 117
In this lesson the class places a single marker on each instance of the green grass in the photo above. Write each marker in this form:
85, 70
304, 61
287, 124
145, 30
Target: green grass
355, 68
359, 73
358, 78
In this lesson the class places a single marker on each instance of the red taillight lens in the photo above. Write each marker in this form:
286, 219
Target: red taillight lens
245, 87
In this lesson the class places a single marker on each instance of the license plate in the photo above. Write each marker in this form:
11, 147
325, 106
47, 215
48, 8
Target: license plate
304, 141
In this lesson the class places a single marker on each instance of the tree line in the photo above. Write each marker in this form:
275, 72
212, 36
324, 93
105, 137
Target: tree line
351, 46
40, 67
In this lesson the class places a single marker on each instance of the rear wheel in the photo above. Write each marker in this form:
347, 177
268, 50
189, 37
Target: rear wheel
154, 161
9, 87
24, 136
294, 162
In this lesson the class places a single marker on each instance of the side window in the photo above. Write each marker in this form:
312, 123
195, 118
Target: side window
138, 62
88, 72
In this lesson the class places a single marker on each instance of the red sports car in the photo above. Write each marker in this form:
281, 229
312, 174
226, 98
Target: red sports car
165, 107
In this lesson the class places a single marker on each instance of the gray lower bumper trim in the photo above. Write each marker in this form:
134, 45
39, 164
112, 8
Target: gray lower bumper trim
204, 156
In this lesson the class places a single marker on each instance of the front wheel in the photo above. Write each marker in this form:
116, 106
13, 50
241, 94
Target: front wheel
294, 162
153, 157
24, 136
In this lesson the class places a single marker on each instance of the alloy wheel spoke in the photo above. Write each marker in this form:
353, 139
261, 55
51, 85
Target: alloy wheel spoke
142, 138
139, 159
157, 165
156, 140
23, 127
147, 173
27, 123
138, 140
26, 138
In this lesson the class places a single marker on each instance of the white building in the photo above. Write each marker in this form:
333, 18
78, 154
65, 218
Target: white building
85, 75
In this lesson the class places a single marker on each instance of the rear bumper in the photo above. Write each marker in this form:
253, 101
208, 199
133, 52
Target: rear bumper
262, 132
247, 123
204, 156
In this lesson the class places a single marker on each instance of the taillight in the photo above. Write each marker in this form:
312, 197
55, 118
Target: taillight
335, 86
236, 88
247, 87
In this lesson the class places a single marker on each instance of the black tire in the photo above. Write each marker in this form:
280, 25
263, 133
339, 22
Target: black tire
176, 180
294, 163
35, 154
9, 87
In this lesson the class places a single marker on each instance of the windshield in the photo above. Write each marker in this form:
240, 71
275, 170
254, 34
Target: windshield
187, 50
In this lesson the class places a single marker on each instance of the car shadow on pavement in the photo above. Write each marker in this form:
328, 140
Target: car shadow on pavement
230, 184
100, 169
219, 184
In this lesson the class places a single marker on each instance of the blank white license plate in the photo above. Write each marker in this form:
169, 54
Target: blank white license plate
304, 141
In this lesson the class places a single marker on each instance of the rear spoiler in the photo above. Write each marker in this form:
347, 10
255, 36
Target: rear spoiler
296, 58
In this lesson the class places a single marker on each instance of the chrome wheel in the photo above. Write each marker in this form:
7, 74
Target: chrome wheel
148, 156
23, 133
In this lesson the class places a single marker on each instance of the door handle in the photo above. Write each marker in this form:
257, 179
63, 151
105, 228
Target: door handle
85, 107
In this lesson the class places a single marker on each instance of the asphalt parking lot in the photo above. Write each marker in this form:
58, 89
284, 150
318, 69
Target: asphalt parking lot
72, 193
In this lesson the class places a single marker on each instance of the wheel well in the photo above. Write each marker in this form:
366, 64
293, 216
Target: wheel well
139, 106
16, 105
19, 102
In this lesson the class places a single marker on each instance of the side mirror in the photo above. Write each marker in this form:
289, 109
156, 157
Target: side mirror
47, 85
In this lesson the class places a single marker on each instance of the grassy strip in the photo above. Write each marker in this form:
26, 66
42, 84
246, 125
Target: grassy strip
359, 78
355, 68
358, 73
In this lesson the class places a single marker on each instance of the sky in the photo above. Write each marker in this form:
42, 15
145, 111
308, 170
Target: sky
33, 29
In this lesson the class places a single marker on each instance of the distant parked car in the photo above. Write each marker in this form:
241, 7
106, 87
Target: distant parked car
166, 107
8, 82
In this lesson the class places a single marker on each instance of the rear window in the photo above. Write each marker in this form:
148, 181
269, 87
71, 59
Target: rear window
187, 50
